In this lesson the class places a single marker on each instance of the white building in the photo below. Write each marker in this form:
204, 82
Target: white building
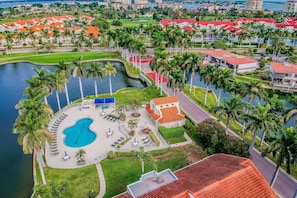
239, 64
283, 74
165, 111
254, 5
290, 6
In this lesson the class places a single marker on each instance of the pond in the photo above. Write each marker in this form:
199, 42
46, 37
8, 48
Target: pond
16, 168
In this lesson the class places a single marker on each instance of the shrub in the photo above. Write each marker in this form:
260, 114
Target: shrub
160, 152
111, 155
125, 154
171, 132
212, 136
154, 138
132, 133
188, 125
116, 23
75, 49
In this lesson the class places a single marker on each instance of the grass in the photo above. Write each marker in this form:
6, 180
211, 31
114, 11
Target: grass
133, 23
54, 58
123, 171
198, 94
80, 181
176, 140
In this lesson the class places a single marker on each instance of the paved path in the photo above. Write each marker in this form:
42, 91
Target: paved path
285, 185
101, 180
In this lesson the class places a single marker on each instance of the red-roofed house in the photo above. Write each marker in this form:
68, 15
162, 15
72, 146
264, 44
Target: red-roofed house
283, 74
165, 111
239, 64
219, 175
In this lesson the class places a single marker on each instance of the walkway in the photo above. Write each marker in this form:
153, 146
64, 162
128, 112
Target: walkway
101, 180
285, 185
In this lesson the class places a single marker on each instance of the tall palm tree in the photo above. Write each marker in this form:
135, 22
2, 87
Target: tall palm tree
176, 80
95, 70
63, 69
109, 70
57, 81
36, 90
79, 70
283, 147
31, 128
222, 79
193, 65
207, 75
231, 109
43, 76
260, 118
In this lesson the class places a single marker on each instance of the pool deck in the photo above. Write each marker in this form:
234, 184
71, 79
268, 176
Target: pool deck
98, 149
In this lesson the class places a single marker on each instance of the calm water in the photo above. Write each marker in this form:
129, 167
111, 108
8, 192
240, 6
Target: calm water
79, 135
16, 168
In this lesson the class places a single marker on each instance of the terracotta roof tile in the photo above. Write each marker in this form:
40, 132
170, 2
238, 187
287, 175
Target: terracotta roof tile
238, 60
216, 52
151, 112
165, 100
170, 114
219, 175
279, 67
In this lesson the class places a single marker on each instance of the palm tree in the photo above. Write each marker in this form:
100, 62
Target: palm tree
283, 147
193, 65
80, 155
79, 70
260, 118
36, 90
231, 109
109, 70
176, 80
222, 79
95, 70
63, 69
31, 127
43, 76
207, 75
145, 157
57, 81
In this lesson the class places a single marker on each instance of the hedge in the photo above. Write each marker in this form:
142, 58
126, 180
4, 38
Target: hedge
171, 132
154, 138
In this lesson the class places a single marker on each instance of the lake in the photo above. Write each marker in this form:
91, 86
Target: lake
16, 168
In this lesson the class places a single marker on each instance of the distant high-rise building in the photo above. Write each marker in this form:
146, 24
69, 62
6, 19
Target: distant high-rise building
290, 6
254, 5
158, 1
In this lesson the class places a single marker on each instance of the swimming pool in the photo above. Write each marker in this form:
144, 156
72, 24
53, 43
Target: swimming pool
79, 135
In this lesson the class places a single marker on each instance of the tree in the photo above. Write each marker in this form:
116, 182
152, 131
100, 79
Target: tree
231, 109
145, 157
109, 70
43, 76
222, 79
79, 70
207, 75
193, 65
176, 80
95, 70
260, 118
283, 147
63, 69
57, 81
31, 128
80, 155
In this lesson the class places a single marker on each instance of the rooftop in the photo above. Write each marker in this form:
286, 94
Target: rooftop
280, 67
165, 100
219, 175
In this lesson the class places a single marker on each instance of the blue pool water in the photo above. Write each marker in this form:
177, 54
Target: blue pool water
79, 135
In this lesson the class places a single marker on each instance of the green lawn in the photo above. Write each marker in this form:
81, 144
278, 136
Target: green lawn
54, 58
80, 181
134, 23
198, 94
123, 171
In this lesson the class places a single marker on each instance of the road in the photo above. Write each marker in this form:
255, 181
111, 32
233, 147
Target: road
285, 185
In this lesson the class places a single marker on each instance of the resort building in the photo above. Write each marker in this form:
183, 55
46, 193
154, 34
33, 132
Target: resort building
219, 175
290, 6
239, 64
283, 74
165, 111
254, 5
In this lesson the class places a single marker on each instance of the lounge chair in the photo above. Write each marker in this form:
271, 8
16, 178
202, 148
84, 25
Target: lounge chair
55, 153
122, 138
116, 143
113, 145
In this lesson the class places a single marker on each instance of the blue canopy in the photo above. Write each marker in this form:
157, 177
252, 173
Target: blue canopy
104, 100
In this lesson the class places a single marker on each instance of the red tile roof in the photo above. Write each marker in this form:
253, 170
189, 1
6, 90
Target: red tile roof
165, 100
219, 175
151, 112
279, 67
238, 60
216, 52
170, 114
